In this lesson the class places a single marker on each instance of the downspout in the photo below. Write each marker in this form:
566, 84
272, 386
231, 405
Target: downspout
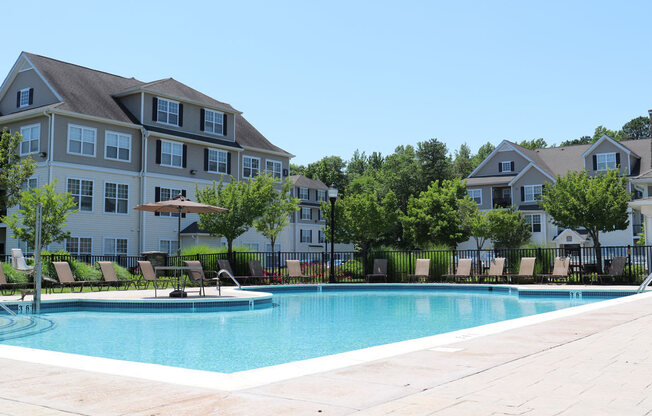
48, 158
143, 186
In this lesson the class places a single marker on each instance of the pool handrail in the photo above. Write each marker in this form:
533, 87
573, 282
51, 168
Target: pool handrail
9, 311
645, 283
228, 273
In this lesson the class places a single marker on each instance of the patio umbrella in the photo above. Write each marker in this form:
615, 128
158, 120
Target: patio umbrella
179, 205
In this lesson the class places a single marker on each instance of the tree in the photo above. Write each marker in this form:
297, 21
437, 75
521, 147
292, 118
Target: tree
434, 162
534, 144
401, 174
437, 215
597, 203
573, 142
463, 163
603, 131
508, 228
637, 128
483, 152
297, 169
329, 170
245, 201
276, 215
14, 170
55, 210
479, 228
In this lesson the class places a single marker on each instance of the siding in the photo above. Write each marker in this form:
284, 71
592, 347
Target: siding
608, 147
491, 167
531, 177
27, 79
45, 128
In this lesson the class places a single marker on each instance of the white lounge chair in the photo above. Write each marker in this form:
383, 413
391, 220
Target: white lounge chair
18, 261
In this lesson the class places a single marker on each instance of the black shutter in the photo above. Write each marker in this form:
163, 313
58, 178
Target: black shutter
228, 163
511, 166
31, 96
310, 236
224, 130
311, 213
285, 172
522, 193
158, 151
18, 99
617, 159
183, 193
157, 197
205, 159
202, 116
155, 109
500, 166
185, 155
181, 116
595, 162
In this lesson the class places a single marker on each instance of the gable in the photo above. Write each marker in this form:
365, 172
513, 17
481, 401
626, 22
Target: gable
42, 94
491, 165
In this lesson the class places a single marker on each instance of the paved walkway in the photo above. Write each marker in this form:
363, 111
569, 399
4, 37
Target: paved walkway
596, 363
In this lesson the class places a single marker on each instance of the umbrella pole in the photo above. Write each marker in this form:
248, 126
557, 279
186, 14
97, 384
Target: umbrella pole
179, 235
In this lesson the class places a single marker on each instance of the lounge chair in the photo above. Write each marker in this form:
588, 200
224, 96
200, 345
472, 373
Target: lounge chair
294, 271
463, 272
18, 261
496, 270
65, 276
111, 278
149, 276
6, 287
379, 271
256, 271
616, 270
525, 271
198, 274
421, 270
559, 271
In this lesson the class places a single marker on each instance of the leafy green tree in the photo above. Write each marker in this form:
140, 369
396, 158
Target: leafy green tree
245, 201
14, 170
329, 170
434, 162
437, 215
276, 215
484, 151
358, 164
534, 144
297, 169
401, 174
479, 228
508, 228
637, 128
601, 131
55, 210
597, 203
573, 142
463, 163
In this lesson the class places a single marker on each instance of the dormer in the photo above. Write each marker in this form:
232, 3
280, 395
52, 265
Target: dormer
506, 159
25, 88
607, 154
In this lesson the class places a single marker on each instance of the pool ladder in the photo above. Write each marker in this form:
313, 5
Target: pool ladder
9, 311
228, 273
645, 283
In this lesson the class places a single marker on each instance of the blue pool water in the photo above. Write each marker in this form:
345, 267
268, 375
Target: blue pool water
301, 325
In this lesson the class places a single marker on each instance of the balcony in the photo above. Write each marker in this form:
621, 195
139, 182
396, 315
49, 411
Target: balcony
501, 197
637, 229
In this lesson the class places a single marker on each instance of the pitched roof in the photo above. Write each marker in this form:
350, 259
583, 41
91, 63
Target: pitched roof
300, 180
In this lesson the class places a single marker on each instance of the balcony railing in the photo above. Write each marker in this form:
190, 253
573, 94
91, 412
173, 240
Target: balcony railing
502, 202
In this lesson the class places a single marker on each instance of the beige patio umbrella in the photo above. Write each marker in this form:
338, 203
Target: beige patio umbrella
179, 205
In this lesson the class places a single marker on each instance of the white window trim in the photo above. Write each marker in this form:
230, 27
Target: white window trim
597, 162
92, 196
82, 147
169, 214
21, 105
531, 222
106, 133
104, 198
475, 190
207, 110
307, 193
526, 187
31, 126
308, 232
271, 172
325, 193
243, 165
172, 143
169, 240
169, 101
248, 244
218, 163
65, 244
509, 166
306, 209
104, 238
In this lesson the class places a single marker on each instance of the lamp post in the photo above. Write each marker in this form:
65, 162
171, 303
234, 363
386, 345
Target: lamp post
332, 195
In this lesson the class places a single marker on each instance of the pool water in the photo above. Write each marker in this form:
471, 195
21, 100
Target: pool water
301, 325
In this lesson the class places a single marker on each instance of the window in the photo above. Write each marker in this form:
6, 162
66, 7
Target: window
117, 146
168, 246
532, 193
506, 166
166, 194
303, 194
214, 122
252, 246
79, 245
168, 112
31, 138
274, 168
305, 213
26, 246
605, 161
535, 222
322, 237
250, 166
115, 246
30, 183
171, 154
81, 140
217, 161
321, 194
476, 195
116, 198
320, 214
23, 100
305, 236
82, 191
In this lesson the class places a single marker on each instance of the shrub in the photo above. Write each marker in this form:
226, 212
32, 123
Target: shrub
351, 267
208, 256
13, 275
80, 270
121, 272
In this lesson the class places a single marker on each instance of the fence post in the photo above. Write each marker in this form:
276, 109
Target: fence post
629, 261
278, 268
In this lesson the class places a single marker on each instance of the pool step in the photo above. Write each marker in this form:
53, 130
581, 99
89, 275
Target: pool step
22, 325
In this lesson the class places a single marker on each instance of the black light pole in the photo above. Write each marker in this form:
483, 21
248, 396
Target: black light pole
332, 195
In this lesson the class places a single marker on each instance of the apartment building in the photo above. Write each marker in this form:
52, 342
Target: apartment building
117, 142
514, 175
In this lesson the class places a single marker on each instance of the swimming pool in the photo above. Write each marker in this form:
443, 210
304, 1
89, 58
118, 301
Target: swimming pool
300, 325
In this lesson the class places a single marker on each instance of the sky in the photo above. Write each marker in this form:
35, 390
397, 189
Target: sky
327, 78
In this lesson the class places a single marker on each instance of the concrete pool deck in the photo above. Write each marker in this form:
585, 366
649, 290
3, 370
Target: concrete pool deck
596, 362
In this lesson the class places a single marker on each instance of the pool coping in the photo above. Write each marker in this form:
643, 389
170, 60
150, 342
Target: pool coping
266, 375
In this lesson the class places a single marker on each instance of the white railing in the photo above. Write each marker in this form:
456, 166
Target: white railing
230, 275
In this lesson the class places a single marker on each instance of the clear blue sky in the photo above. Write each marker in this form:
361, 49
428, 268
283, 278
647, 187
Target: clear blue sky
322, 78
